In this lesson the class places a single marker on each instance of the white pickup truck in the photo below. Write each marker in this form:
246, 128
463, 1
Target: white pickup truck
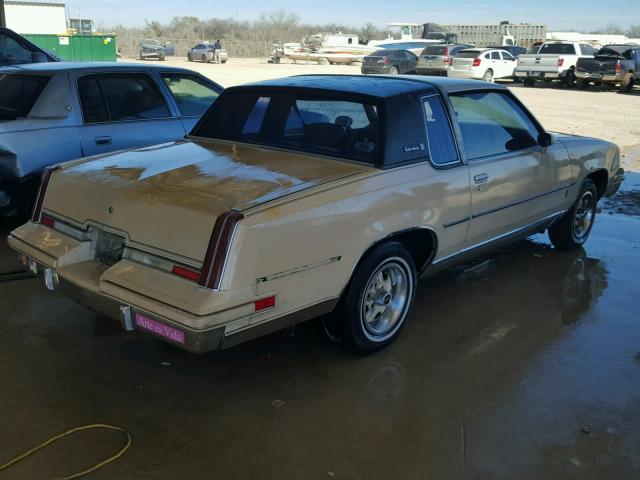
555, 60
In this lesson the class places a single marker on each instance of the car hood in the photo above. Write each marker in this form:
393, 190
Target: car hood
168, 196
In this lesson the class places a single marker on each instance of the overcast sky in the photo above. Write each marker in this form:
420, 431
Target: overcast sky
556, 14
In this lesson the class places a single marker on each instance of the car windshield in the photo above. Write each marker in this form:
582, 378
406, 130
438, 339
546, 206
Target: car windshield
18, 94
314, 124
557, 49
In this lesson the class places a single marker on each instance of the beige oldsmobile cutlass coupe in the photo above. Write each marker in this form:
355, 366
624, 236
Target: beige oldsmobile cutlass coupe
306, 196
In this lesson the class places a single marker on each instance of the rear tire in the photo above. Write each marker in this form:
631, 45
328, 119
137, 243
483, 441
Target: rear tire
204, 59
488, 76
626, 85
573, 229
189, 58
376, 303
569, 80
394, 71
528, 82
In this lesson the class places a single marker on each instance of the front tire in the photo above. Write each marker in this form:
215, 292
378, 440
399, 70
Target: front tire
573, 229
189, 58
377, 301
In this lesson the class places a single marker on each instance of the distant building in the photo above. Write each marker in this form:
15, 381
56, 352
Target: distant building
36, 17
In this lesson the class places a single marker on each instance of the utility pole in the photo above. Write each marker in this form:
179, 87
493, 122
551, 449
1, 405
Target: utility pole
3, 19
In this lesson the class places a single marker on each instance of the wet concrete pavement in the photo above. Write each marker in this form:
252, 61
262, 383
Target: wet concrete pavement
521, 365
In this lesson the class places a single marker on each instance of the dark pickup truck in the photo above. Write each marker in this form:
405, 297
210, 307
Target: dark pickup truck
614, 65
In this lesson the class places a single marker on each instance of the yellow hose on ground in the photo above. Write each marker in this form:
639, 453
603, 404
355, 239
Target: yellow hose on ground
66, 434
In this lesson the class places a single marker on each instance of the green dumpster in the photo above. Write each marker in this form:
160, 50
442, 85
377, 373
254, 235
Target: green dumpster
78, 48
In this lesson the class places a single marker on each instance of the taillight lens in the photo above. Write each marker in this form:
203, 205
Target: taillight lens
385, 60
560, 61
184, 272
48, 221
476, 62
618, 68
219, 244
446, 59
265, 303
42, 191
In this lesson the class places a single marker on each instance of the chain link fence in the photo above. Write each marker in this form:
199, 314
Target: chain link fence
129, 47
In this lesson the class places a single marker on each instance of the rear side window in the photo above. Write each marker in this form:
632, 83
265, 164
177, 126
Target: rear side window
117, 97
193, 94
327, 126
557, 49
440, 142
492, 123
18, 94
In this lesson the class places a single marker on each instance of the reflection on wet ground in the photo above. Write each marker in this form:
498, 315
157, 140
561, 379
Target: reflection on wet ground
524, 364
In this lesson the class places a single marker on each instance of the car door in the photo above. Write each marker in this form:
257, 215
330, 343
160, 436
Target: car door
514, 181
192, 93
508, 64
410, 62
124, 110
495, 62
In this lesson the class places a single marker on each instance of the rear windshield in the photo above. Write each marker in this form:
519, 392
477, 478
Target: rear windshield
434, 50
468, 54
608, 52
557, 49
382, 53
18, 94
328, 126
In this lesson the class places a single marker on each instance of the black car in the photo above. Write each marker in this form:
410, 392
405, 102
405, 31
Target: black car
514, 50
390, 61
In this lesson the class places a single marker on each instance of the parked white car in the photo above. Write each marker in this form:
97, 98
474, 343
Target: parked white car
482, 64
554, 61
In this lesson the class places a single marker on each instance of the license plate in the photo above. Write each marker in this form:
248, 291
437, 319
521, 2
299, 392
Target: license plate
594, 75
536, 74
145, 323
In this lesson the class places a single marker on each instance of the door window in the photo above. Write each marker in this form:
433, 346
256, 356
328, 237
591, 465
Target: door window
117, 97
495, 55
194, 95
440, 142
492, 123
506, 56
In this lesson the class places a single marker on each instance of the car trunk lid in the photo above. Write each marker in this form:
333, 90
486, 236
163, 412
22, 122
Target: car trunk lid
168, 196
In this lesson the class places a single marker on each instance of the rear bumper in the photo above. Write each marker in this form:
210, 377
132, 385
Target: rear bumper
537, 74
599, 77
469, 74
373, 70
69, 268
442, 72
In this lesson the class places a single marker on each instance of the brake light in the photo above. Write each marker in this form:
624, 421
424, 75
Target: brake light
265, 303
219, 244
476, 62
560, 61
446, 59
48, 221
42, 191
185, 272
618, 68
446, 54
385, 60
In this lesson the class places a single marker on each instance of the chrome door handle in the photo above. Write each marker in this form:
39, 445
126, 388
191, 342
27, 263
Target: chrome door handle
481, 178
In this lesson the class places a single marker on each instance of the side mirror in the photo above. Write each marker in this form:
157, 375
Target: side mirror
545, 139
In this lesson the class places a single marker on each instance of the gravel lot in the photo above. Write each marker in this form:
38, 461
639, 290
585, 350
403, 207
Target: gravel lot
597, 113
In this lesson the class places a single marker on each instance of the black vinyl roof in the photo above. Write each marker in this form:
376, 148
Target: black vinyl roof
379, 86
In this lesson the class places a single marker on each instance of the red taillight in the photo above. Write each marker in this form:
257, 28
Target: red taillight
219, 243
618, 68
185, 272
385, 60
476, 62
560, 61
265, 303
42, 191
446, 59
48, 221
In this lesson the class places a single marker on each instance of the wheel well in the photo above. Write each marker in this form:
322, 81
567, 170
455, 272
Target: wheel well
600, 178
421, 243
